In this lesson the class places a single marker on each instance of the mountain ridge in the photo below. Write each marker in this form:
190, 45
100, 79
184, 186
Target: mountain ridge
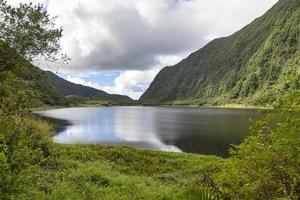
248, 67
88, 92
67, 88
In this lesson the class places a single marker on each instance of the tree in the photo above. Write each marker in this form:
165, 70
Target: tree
27, 33
30, 31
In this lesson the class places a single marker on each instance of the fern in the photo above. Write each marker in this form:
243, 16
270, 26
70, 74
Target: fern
200, 193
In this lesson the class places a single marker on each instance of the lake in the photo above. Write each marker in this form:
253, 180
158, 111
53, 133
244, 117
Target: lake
199, 130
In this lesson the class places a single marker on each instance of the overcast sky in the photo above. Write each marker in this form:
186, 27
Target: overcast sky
120, 45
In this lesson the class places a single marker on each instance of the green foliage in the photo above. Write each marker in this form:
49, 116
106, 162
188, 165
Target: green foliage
267, 164
30, 31
200, 193
256, 66
20, 150
27, 32
25, 85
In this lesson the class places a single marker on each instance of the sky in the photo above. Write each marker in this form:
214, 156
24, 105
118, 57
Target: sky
120, 45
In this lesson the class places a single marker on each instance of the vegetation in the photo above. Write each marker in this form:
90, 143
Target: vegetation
30, 31
200, 193
27, 33
265, 166
255, 66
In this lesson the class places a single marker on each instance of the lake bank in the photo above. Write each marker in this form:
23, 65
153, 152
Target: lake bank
229, 106
111, 172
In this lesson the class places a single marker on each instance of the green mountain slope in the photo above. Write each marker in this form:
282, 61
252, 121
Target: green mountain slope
19, 75
67, 88
255, 65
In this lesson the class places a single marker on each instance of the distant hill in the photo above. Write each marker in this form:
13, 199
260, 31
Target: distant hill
255, 65
68, 88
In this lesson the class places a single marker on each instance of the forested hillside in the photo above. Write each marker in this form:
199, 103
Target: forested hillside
255, 65
19, 76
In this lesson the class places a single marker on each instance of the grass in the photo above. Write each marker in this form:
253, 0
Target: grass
231, 106
243, 106
47, 107
115, 172
198, 103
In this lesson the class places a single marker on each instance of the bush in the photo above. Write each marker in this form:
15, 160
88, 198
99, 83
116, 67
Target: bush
23, 145
267, 164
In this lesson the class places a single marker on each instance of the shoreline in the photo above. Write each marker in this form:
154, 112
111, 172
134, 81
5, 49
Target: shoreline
225, 106
242, 106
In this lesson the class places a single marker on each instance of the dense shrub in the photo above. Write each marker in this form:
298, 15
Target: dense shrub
267, 164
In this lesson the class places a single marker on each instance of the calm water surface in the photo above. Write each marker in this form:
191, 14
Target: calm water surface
197, 130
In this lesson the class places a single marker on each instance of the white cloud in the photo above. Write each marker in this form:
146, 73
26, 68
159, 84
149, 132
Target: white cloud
130, 82
131, 34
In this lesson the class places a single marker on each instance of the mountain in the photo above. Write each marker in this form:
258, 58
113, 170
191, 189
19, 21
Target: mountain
255, 65
20, 79
68, 88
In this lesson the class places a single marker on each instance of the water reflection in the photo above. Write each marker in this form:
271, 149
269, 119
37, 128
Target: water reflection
132, 125
199, 130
